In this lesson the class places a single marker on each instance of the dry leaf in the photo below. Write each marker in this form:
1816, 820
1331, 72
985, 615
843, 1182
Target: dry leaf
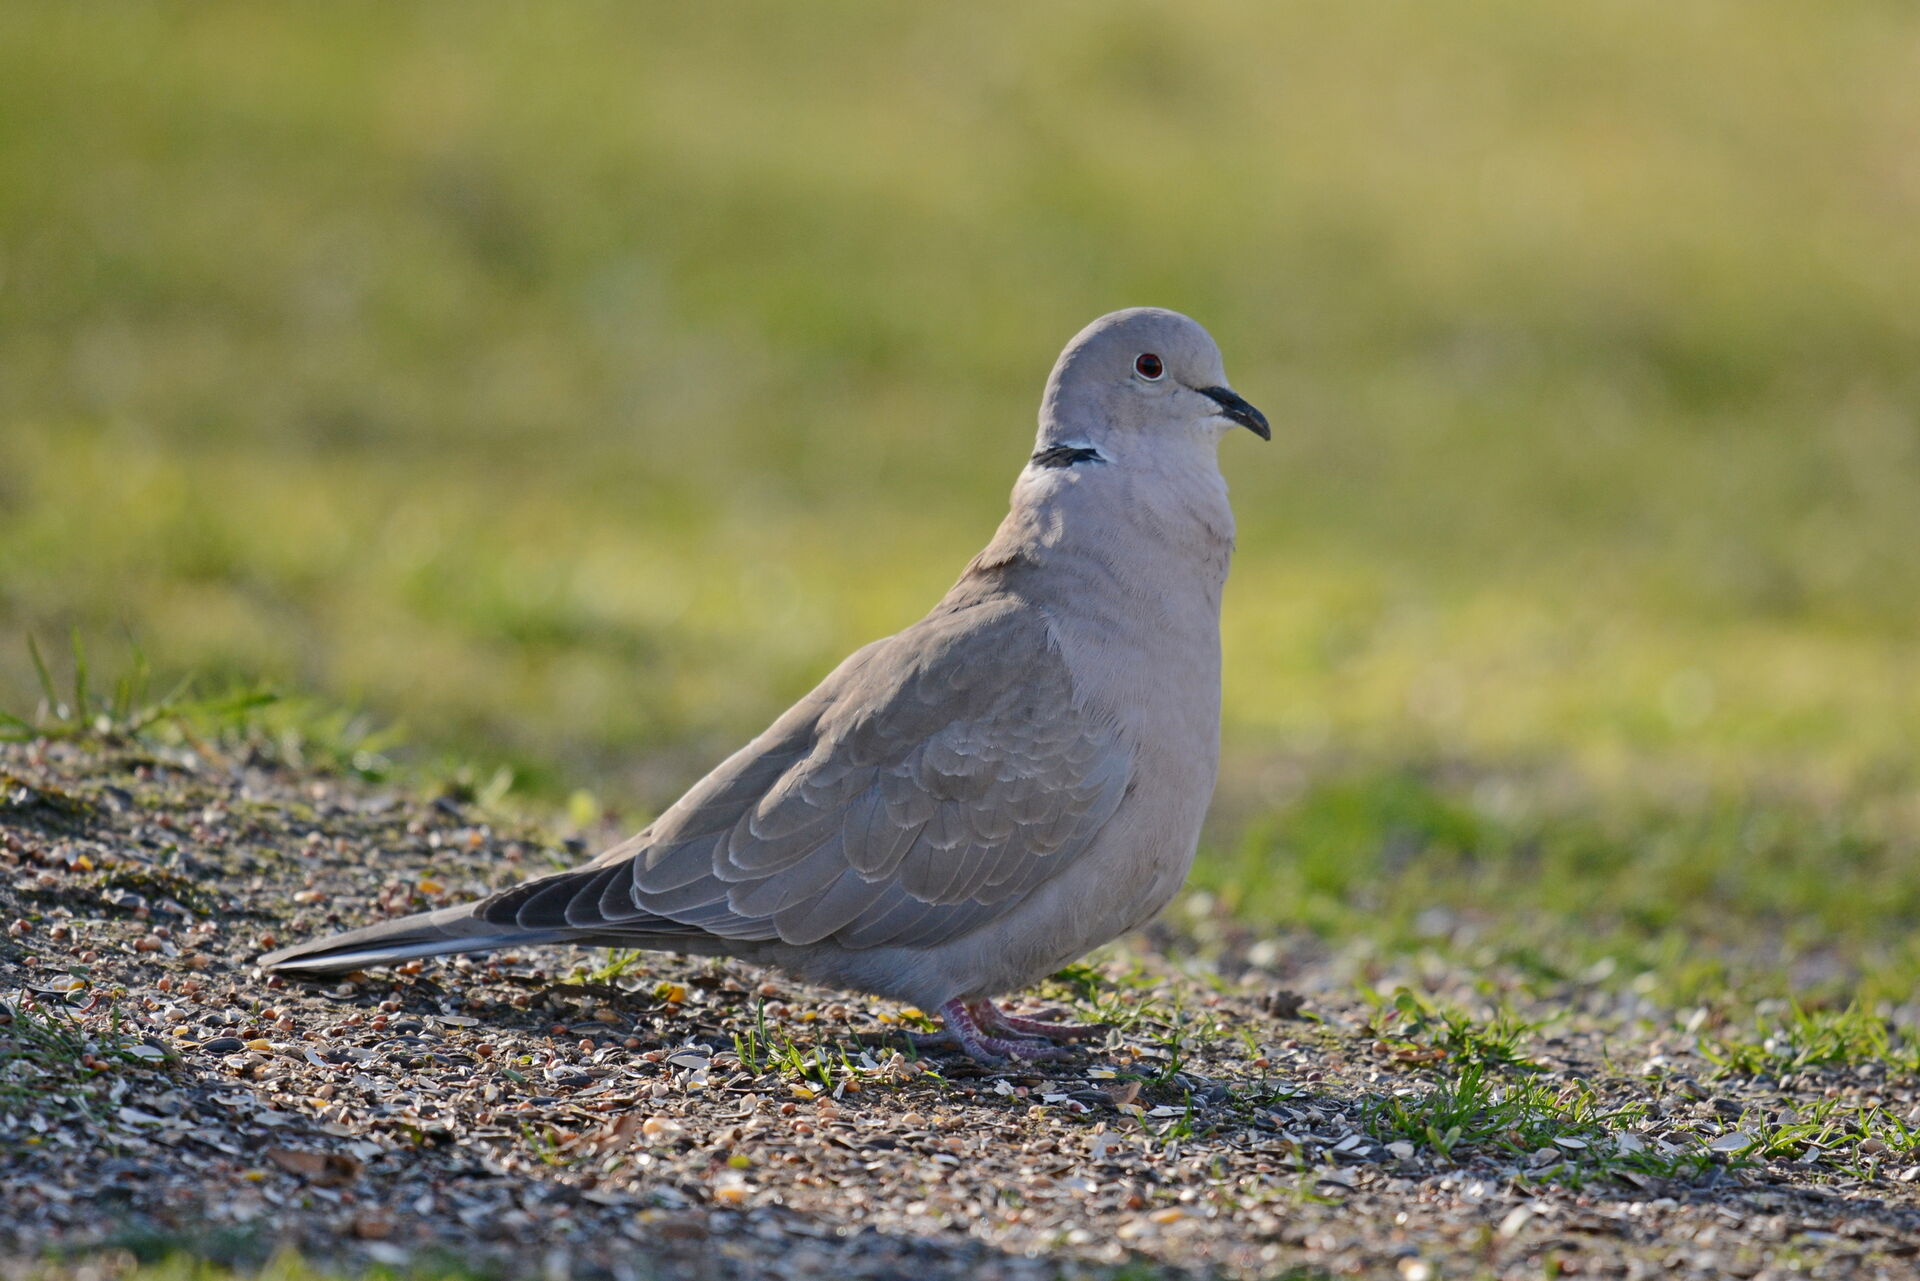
623, 1130
322, 1169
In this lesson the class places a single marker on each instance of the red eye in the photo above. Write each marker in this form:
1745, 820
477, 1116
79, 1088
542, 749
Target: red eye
1148, 366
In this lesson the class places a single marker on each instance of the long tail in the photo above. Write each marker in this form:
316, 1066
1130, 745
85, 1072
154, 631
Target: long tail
407, 938
564, 907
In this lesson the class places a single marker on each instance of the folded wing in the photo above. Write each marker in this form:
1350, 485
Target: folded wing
931, 782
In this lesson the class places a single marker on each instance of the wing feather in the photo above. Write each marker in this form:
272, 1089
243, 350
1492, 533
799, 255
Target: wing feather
930, 783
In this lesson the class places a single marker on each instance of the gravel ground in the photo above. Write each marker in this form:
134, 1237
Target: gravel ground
564, 1113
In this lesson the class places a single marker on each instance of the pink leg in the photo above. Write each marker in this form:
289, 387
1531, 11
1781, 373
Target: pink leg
1001, 1021
964, 1029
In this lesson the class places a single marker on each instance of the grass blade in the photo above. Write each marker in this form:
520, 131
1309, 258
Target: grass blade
47, 691
82, 703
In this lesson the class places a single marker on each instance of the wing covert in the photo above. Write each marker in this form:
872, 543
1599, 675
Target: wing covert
928, 784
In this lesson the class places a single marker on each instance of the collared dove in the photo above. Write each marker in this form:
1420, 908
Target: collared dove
962, 808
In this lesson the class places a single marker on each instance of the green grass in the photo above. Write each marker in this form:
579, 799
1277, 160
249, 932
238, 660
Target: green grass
1767, 884
569, 390
1473, 1112
1800, 1039
1415, 1030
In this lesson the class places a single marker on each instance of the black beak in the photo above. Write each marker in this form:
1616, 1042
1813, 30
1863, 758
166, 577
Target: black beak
1239, 411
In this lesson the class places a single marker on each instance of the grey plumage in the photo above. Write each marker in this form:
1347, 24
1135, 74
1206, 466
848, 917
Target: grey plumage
959, 808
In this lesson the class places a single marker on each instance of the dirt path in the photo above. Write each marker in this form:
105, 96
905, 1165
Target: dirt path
650, 1116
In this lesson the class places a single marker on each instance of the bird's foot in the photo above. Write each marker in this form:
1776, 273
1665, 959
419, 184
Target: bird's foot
965, 1029
1001, 1021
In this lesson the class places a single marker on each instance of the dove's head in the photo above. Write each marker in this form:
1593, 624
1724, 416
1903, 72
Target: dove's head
1141, 376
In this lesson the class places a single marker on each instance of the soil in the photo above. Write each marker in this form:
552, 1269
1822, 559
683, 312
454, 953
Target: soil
569, 1114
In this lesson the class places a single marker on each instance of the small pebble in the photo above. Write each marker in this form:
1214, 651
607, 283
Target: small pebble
661, 1129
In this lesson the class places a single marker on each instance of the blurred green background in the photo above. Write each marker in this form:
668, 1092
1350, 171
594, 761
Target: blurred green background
573, 385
